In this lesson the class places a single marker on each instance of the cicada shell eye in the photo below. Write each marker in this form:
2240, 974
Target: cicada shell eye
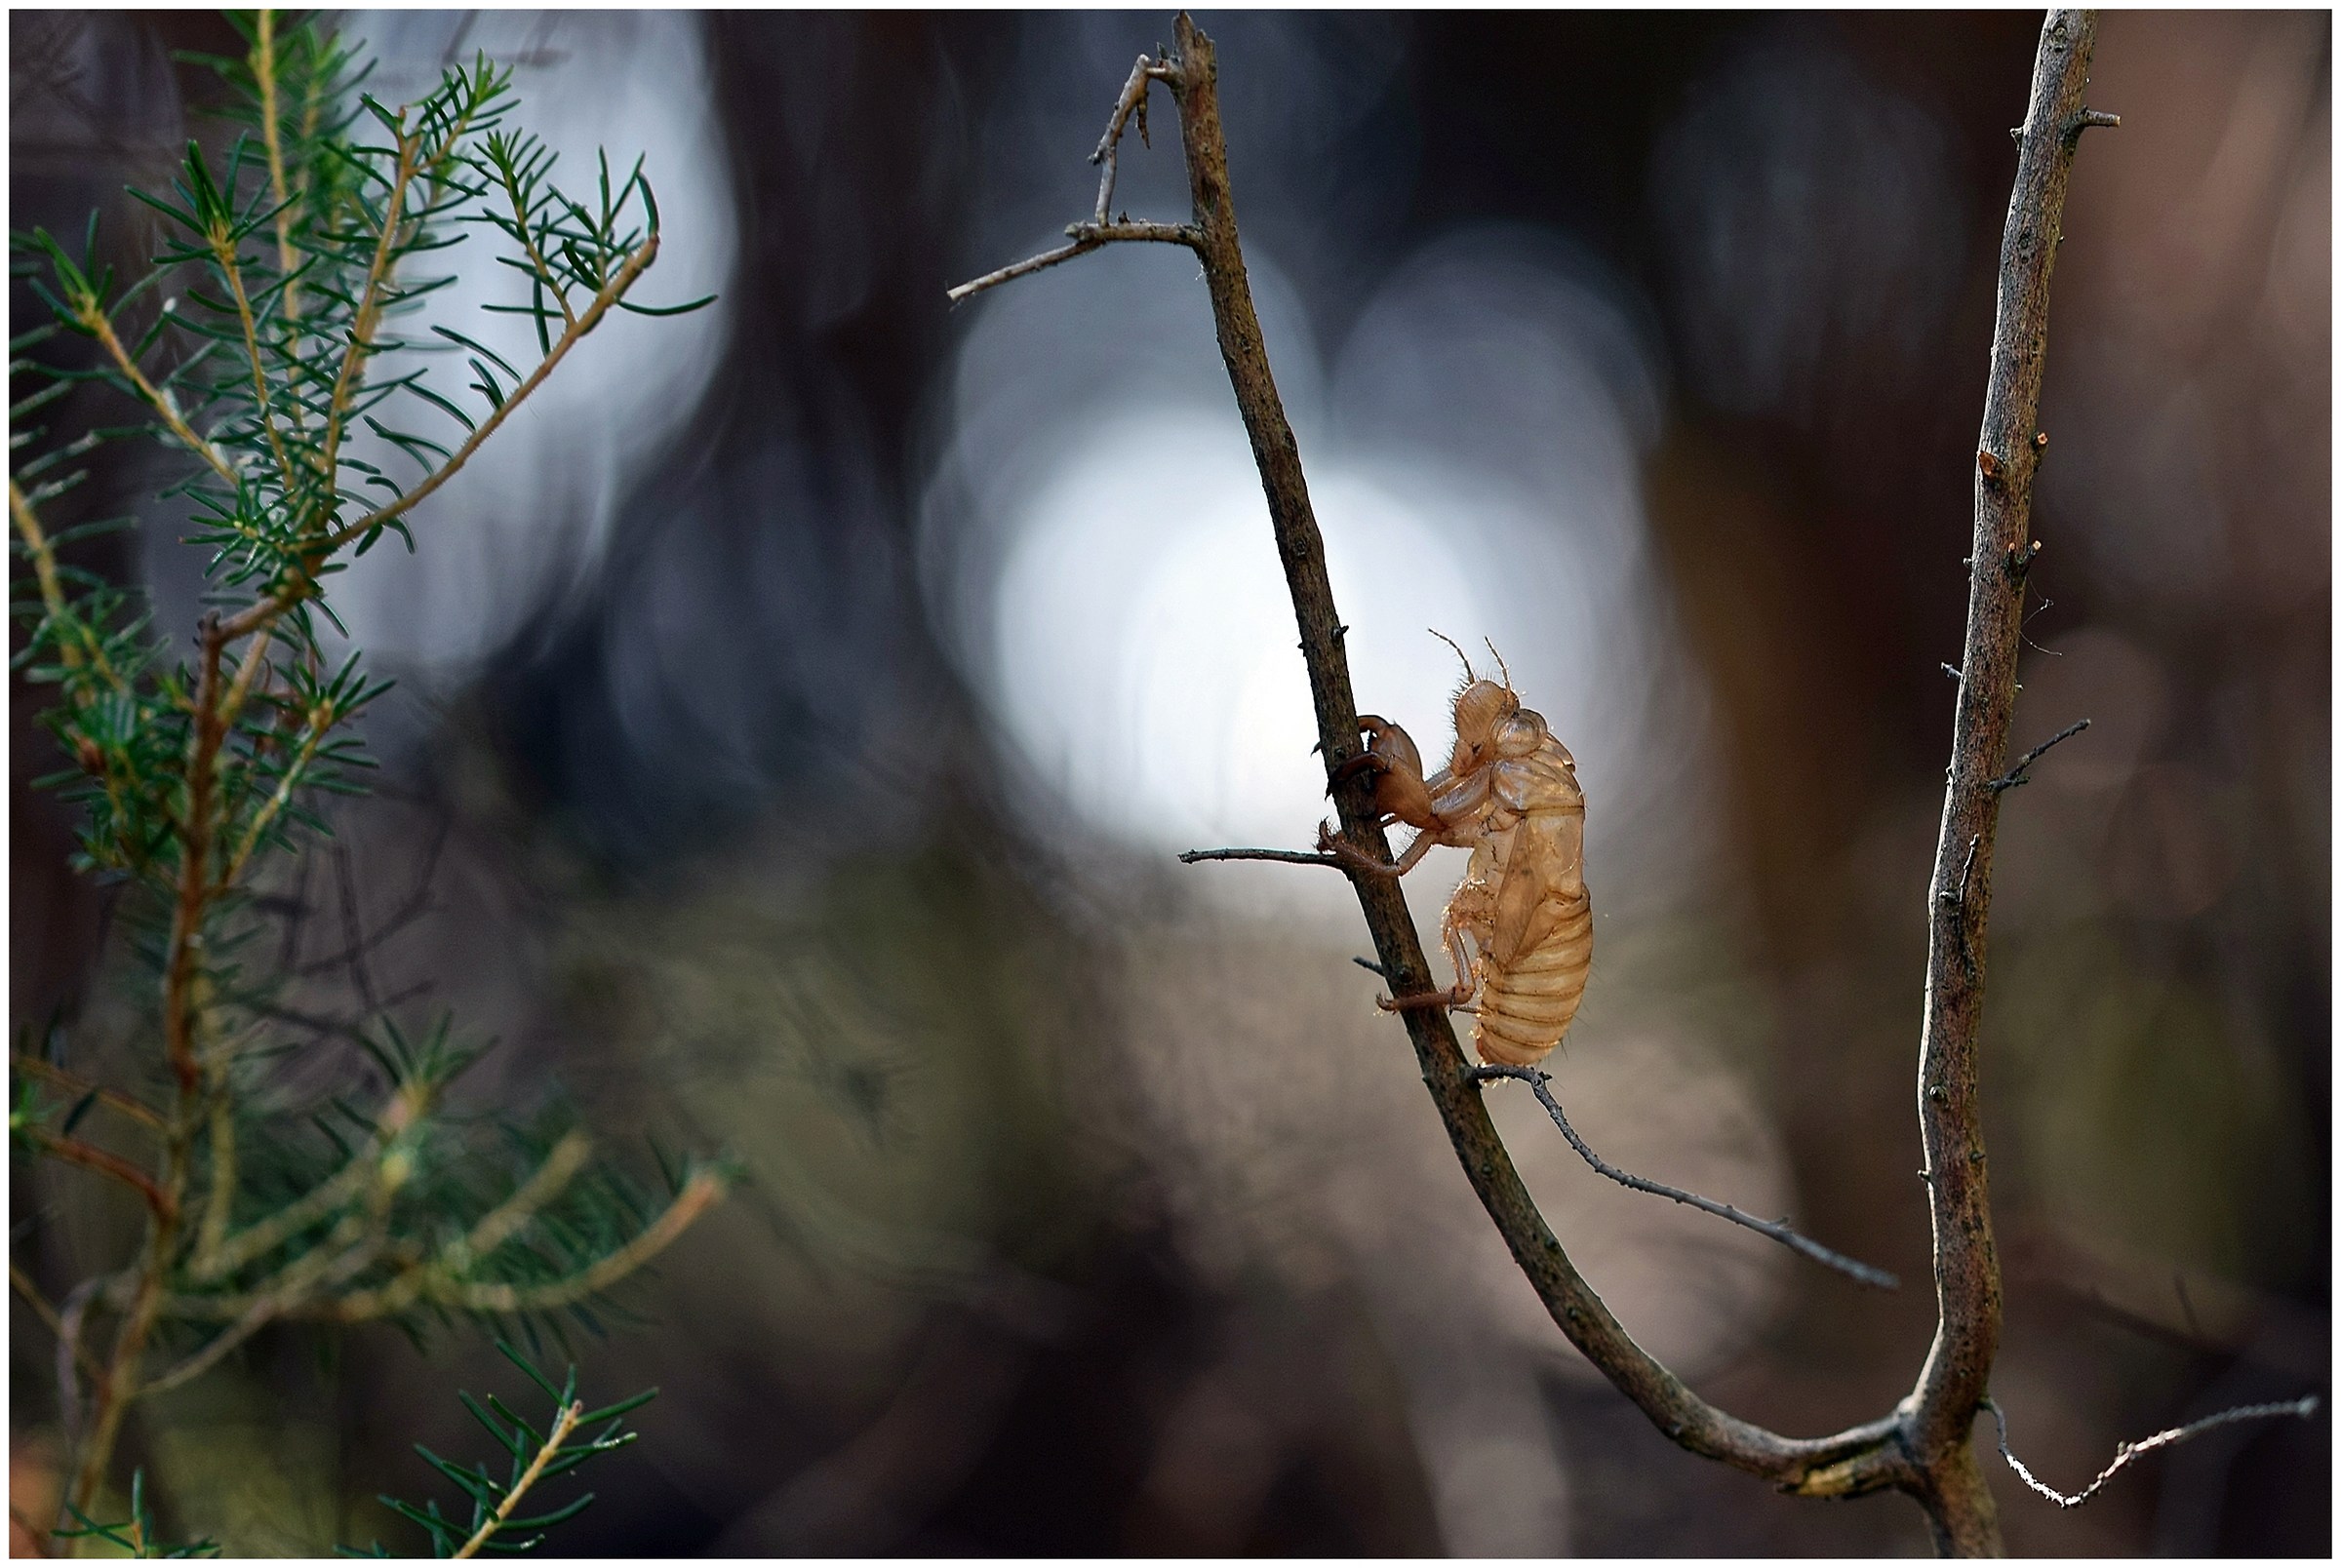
1522, 734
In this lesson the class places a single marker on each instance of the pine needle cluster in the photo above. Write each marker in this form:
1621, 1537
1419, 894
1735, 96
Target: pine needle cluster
295, 308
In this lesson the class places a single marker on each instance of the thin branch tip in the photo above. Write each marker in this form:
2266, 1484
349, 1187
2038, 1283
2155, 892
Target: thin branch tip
2017, 775
1288, 857
1779, 1231
2304, 1409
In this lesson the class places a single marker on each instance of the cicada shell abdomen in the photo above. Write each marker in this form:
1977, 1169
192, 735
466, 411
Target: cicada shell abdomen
1535, 936
1527, 1005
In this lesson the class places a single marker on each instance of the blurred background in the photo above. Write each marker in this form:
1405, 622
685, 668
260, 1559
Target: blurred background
798, 714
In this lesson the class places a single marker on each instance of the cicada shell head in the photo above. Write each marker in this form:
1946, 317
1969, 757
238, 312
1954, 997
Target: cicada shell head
1481, 709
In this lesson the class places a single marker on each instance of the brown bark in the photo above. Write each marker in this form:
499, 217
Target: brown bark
1957, 1374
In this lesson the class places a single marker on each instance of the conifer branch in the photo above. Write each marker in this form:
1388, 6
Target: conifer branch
636, 264
89, 1156
94, 321
192, 778
263, 74
74, 1083
564, 1425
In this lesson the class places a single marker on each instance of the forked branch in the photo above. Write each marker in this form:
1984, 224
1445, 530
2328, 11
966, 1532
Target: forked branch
1923, 1447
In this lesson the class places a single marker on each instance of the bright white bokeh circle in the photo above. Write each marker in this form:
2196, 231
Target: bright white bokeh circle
1144, 644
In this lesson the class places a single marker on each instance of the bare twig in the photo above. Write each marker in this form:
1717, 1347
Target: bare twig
1017, 269
2122, 1455
68, 1344
2017, 775
1778, 1230
1142, 76
75, 1151
1087, 237
1101, 230
1290, 857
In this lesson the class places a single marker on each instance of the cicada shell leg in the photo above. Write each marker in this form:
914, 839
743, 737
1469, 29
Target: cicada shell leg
1454, 996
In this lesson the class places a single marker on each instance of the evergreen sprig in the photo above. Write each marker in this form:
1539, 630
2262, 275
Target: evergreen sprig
136, 1535
531, 1458
292, 356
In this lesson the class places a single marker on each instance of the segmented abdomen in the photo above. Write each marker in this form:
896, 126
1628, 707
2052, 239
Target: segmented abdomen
1525, 1005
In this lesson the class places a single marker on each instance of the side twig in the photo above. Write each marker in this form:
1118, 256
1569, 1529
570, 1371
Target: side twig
75, 1151
2301, 1409
2017, 775
127, 1106
68, 1341
1290, 857
1539, 1082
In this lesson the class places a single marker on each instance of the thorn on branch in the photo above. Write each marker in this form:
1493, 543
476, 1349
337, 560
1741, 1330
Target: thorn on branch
2017, 775
2303, 1408
2017, 562
1957, 896
1777, 1230
1955, 901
